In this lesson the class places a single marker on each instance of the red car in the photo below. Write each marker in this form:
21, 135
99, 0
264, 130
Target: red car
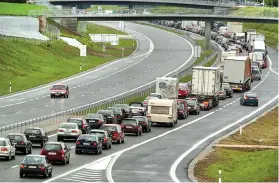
183, 90
59, 90
57, 152
131, 125
182, 109
115, 131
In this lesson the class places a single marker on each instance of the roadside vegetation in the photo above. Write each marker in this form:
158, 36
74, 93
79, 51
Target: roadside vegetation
17, 9
245, 164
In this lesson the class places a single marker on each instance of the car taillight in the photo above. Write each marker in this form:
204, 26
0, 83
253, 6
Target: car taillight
22, 142
100, 121
105, 140
61, 152
143, 122
22, 166
181, 111
78, 142
43, 152
114, 134
60, 130
74, 131
94, 143
43, 168
245, 98
83, 126
4, 149
257, 98
148, 116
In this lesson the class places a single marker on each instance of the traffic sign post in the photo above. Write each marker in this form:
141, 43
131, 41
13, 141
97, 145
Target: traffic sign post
10, 87
197, 51
220, 176
104, 48
123, 52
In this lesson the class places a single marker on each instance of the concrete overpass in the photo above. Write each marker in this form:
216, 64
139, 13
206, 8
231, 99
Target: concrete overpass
201, 4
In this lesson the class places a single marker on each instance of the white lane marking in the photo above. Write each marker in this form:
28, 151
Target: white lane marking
91, 77
92, 92
15, 166
18, 112
177, 162
32, 109
144, 142
46, 105
270, 66
109, 86
216, 110
89, 72
82, 95
3, 115
74, 87
100, 165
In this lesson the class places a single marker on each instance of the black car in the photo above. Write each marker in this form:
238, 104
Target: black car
228, 89
89, 144
82, 124
36, 136
20, 142
193, 107
108, 115
126, 109
118, 113
35, 165
143, 121
95, 121
104, 136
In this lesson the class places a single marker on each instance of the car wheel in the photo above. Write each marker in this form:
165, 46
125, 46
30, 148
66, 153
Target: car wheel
140, 133
257, 104
110, 146
119, 141
149, 129
45, 175
64, 162
123, 140
68, 162
172, 124
30, 150
8, 157
137, 133
101, 151
42, 144
77, 152
21, 175
58, 139
25, 151
50, 174
13, 157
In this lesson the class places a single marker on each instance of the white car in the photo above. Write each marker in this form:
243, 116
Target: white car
68, 131
137, 108
7, 150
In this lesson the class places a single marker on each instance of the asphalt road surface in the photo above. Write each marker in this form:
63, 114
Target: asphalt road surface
159, 53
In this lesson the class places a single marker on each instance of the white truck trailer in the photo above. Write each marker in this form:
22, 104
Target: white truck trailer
258, 57
256, 39
168, 87
237, 72
206, 85
235, 27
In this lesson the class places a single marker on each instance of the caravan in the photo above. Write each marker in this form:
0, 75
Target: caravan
162, 111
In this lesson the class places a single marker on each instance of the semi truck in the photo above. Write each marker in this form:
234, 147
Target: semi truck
205, 86
237, 72
168, 87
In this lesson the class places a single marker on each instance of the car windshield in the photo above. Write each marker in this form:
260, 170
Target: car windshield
136, 104
33, 160
53, 147
68, 126
181, 106
77, 121
60, 87
129, 121
95, 116
120, 105
227, 87
108, 128
251, 95
16, 138
98, 134
2, 143
105, 113
140, 118
88, 137
154, 95
32, 131
191, 103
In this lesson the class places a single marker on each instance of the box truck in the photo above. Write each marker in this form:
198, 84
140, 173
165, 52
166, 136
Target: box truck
255, 39
235, 27
237, 72
205, 86
260, 58
162, 111
168, 87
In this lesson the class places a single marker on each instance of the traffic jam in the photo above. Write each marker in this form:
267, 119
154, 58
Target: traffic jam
170, 102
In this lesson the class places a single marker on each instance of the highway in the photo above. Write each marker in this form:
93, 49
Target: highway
155, 57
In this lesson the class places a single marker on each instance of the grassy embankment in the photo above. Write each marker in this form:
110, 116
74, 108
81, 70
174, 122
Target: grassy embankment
17, 9
269, 30
28, 65
245, 165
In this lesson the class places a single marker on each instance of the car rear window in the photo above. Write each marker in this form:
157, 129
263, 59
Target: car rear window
98, 134
15, 138
34, 160
32, 131
181, 106
95, 116
60, 87
88, 137
191, 103
53, 147
127, 121
140, 118
77, 121
2, 143
251, 95
108, 128
68, 126
136, 105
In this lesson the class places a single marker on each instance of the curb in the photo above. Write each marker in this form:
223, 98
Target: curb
209, 148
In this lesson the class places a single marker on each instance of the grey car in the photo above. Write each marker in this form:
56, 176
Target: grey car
222, 93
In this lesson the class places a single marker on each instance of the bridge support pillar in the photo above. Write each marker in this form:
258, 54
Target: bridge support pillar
207, 35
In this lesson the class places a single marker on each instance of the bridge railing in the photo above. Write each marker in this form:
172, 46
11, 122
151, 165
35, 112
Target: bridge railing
197, 12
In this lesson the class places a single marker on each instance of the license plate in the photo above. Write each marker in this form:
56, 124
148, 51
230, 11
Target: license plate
86, 144
128, 127
32, 136
32, 167
251, 98
52, 153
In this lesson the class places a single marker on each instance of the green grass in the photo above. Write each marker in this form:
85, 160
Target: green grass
269, 30
211, 62
245, 165
17, 9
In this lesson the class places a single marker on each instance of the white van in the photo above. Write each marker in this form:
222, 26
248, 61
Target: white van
162, 111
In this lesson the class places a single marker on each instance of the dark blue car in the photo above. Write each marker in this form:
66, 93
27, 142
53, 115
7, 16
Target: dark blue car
249, 98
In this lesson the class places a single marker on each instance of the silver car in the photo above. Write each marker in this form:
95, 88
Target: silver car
7, 150
222, 93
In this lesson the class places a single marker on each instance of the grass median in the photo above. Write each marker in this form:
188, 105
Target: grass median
17, 9
245, 164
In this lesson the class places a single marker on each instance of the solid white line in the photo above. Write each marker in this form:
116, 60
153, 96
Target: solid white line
177, 162
32, 109
15, 166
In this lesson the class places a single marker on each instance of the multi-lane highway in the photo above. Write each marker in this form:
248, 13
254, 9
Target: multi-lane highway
159, 53
152, 157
